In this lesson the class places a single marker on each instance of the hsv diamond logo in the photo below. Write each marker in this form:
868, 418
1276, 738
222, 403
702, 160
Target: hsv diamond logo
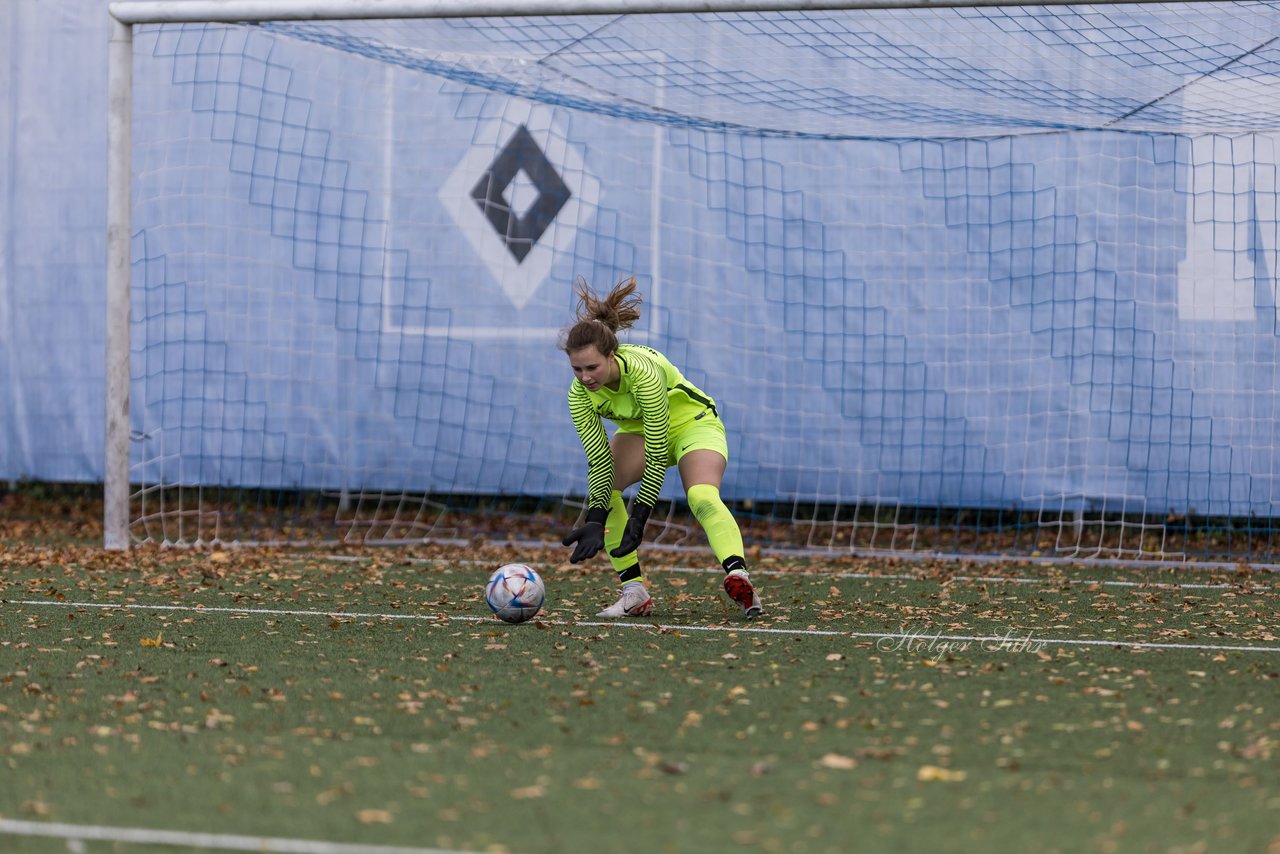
520, 195
520, 231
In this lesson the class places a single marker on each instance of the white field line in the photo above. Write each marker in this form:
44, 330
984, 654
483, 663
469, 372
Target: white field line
917, 638
890, 554
979, 579
222, 841
872, 576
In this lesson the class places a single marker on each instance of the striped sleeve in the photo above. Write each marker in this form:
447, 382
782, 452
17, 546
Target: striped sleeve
595, 441
650, 389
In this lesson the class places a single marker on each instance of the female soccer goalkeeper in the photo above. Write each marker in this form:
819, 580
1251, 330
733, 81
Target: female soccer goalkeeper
663, 420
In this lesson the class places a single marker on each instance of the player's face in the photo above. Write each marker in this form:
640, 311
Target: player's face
592, 369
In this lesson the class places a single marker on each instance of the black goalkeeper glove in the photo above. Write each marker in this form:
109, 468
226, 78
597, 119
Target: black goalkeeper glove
590, 537
634, 532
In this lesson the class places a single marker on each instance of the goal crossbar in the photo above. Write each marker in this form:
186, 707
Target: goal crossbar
230, 11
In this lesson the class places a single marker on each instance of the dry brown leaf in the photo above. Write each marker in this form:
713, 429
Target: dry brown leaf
932, 773
838, 761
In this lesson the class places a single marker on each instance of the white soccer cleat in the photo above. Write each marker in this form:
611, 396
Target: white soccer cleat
739, 588
635, 601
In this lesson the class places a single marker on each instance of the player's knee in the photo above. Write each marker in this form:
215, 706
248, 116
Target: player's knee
704, 500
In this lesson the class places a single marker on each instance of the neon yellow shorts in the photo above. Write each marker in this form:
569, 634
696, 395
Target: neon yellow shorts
703, 434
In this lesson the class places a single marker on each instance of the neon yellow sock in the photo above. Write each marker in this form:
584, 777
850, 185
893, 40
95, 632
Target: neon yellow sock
717, 521
627, 566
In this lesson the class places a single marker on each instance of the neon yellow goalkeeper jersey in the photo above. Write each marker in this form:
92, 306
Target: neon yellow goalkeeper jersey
653, 399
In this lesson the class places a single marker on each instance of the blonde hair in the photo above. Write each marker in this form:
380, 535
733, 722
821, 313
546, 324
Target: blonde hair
599, 319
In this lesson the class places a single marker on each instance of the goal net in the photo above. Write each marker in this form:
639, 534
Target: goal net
985, 280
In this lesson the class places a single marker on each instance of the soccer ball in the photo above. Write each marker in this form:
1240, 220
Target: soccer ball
515, 592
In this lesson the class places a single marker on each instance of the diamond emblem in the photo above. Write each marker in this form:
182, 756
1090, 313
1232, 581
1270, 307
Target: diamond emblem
520, 196
499, 200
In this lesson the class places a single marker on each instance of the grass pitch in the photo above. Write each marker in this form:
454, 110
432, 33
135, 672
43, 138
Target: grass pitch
367, 698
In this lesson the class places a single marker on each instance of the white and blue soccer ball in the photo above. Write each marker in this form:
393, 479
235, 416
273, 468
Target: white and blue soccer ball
515, 592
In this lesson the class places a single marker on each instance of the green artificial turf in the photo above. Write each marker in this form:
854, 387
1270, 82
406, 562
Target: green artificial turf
947, 709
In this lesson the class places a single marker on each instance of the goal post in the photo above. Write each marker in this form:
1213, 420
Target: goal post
964, 277
119, 217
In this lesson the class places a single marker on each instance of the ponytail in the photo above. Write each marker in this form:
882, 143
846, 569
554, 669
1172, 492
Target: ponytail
599, 319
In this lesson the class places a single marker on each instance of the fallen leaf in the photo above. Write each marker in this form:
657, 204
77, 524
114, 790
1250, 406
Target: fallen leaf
835, 760
528, 792
932, 773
